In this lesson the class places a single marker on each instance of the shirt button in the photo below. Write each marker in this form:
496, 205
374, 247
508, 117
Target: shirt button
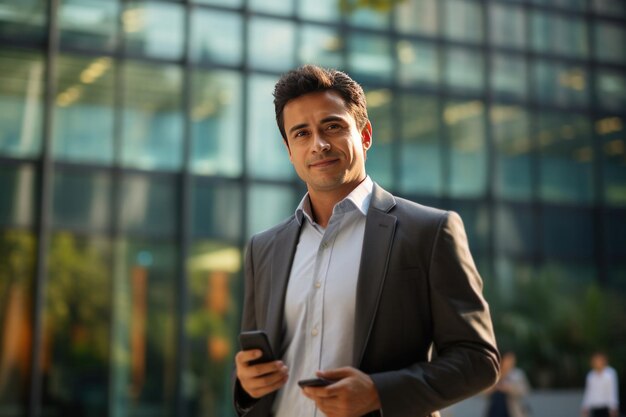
314, 332
324, 245
318, 285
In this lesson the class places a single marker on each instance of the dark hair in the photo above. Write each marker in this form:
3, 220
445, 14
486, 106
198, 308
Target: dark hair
310, 79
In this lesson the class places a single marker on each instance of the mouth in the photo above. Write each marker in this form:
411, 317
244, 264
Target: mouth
324, 163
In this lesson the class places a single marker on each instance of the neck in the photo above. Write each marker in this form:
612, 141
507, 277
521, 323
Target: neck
323, 202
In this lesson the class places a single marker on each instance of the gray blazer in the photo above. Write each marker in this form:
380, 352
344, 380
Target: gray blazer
422, 331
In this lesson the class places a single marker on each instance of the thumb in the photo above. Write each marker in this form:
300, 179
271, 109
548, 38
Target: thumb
335, 374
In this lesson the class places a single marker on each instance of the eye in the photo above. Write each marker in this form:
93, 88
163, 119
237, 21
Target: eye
300, 133
333, 126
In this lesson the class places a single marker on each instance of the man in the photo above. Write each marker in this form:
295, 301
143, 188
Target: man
600, 398
358, 286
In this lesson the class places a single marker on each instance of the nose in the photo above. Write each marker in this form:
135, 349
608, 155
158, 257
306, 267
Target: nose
320, 144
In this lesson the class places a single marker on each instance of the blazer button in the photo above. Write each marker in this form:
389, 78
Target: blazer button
314, 332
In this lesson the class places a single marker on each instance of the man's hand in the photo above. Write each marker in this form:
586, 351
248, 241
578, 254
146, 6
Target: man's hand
353, 395
262, 379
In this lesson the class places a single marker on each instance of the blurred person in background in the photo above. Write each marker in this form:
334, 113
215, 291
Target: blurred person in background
508, 397
600, 398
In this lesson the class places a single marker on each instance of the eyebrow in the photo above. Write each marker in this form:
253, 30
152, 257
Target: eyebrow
324, 120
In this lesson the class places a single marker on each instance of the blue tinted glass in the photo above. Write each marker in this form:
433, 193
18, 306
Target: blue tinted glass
417, 63
153, 29
566, 154
614, 222
609, 42
464, 20
507, 25
268, 205
216, 36
509, 76
321, 46
561, 84
565, 4
475, 216
611, 87
21, 102
557, 34
267, 155
278, 7
610, 131
369, 57
465, 124
17, 185
464, 69
567, 232
227, 3
89, 24
149, 205
370, 16
515, 230
420, 147
23, 20
322, 10
84, 109
609, 7
271, 44
380, 156
417, 17
152, 118
81, 200
509, 125
216, 128
216, 210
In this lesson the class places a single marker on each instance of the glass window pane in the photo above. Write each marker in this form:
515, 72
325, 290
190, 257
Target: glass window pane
567, 233
566, 156
610, 131
417, 17
84, 109
21, 102
465, 69
379, 162
153, 118
89, 24
153, 29
322, 10
278, 7
149, 205
468, 155
515, 230
609, 7
609, 42
611, 89
216, 36
17, 185
475, 217
268, 205
216, 210
614, 222
509, 76
77, 324
216, 128
17, 269
143, 367
371, 16
226, 3
507, 25
267, 155
561, 84
24, 20
565, 4
509, 125
369, 57
321, 45
271, 44
211, 326
464, 20
417, 63
81, 200
420, 148
552, 33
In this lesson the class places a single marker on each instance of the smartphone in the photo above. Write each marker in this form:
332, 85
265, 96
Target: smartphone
257, 339
314, 382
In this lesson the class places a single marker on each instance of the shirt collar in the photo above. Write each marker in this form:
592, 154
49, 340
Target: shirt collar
358, 199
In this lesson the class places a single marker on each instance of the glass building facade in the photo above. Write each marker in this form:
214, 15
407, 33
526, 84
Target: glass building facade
139, 152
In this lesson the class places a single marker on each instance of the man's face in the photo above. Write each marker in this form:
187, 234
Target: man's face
598, 362
325, 146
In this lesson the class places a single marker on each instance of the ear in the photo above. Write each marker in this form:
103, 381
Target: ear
366, 136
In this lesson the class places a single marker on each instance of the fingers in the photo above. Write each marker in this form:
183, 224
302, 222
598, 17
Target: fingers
262, 379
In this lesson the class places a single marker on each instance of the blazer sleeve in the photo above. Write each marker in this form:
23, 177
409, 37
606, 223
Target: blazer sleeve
466, 360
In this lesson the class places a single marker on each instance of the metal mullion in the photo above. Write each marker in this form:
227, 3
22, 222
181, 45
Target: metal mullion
445, 144
43, 226
184, 216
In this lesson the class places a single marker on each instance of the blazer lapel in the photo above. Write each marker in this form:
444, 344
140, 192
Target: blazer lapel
379, 231
284, 250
